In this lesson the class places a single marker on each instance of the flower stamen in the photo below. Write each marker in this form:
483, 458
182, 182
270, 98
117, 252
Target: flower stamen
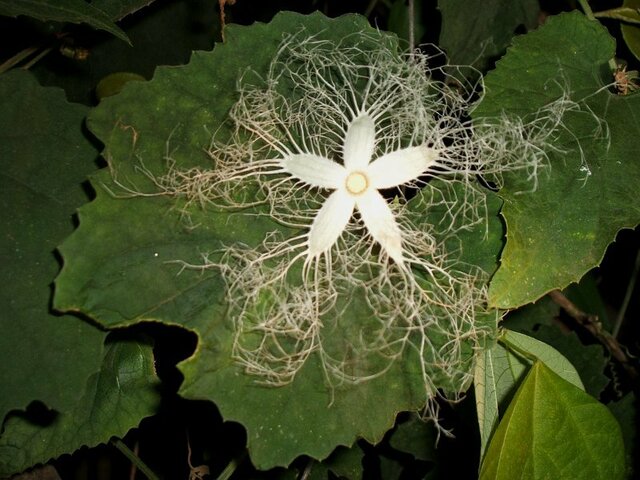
357, 183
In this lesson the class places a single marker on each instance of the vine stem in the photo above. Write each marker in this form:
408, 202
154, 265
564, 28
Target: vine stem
126, 451
586, 8
593, 325
231, 467
412, 33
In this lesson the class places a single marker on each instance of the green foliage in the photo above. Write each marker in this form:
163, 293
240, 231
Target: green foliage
117, 9
123, 265
40, 193
480, 38
552, 429
69, 11
112, 401
538, 320
95, 390
415, 437
574, 213
500, 369
168, 113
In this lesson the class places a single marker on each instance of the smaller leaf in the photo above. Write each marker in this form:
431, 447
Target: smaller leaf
416, 437
497, 373
631, 32
530, 347
113, 401
114, 83
538, 320
624, 14
71, 11
554, 430
478, 38
347, 462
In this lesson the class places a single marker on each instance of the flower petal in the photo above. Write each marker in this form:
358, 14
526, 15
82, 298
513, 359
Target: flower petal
314, 170
359, 143
400, 167
330, 222
381, 224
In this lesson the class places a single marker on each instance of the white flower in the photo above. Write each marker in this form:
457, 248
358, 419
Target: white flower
356, 185
355, 280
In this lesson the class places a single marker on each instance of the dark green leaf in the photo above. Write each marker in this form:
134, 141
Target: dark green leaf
554, 430
165, 33
477, 32
59, 360
70, 11
344, 462
44, 158
589, 190
112, 401
416, 437
117, 9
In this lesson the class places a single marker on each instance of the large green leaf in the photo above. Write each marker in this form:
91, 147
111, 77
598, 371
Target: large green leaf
554, 430
123, 245
500, 369
44, 158
59, 360
71, 11
589, 190
476, 39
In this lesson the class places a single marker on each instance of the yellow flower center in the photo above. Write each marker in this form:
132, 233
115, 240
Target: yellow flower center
356, 183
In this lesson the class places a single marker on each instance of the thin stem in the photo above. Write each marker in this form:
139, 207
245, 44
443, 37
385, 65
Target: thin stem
412, 33
126, 451
593, 325
231, 468
17, 58
370, 7
627, 297
36, 59
587, 9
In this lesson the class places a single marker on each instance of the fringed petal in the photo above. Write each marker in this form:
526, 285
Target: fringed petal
314, 170
400, 167
330, 222
381, 224
359, 143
